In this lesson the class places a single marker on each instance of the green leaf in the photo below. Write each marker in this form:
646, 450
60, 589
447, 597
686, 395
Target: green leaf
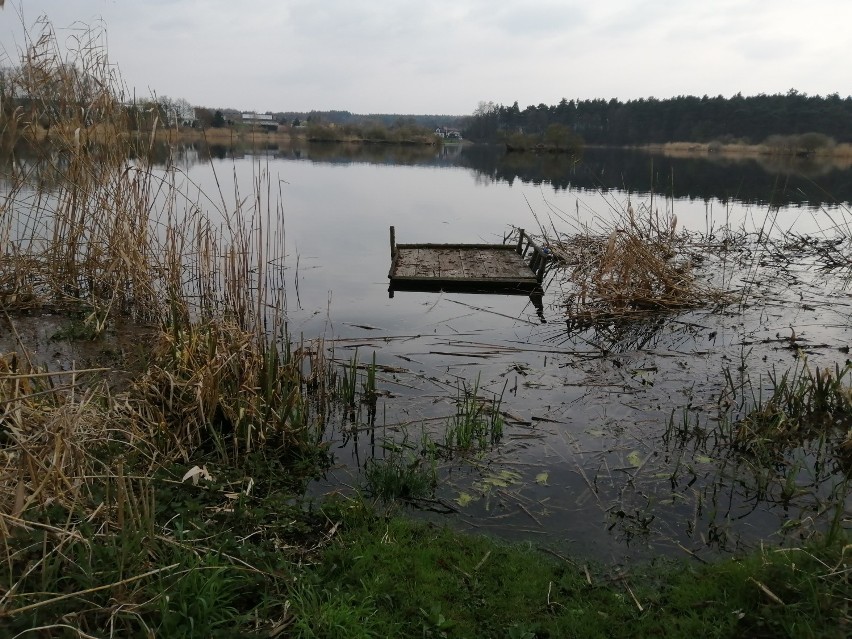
464, 499
634, 459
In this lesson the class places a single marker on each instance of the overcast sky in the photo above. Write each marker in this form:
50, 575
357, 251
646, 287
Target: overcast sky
444, 56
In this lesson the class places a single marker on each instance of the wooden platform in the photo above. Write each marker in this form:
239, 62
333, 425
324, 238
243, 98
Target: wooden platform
466, 267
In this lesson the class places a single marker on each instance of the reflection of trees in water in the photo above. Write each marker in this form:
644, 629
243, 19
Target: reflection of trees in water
44, 165
327, 153
557, 169
24, 163
763, 180
414, 154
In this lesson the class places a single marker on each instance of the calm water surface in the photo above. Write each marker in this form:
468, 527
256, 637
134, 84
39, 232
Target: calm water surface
586, 462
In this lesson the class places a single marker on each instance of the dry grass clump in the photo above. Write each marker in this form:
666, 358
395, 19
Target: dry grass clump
54, 429
98, 529
61, 472
212, 385
635, 268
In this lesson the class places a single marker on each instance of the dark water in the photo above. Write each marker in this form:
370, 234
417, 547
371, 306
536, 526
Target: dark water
589, 460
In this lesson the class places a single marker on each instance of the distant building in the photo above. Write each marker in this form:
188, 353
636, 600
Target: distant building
448, 134
263, 120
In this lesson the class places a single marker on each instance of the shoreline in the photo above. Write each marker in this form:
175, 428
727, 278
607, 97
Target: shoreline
696, 149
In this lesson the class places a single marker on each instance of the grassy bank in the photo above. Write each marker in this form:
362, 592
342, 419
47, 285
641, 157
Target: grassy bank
390, 577
218, 557
99, 535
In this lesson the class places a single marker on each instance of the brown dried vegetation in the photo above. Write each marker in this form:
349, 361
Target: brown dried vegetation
93, 229
635, 267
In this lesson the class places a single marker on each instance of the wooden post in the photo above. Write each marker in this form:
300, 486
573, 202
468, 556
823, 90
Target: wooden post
536, 256
392, 241
520, 240
540, 273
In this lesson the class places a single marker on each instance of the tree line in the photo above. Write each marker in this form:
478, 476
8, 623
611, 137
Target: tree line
749, 120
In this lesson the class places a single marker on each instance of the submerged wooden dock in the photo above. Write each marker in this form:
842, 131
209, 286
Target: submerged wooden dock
467, 267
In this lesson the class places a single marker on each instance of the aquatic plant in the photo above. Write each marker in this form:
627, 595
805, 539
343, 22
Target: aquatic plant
345, 384
369, 392
803, 405
348, 384
398, 477
477, 422
404, 473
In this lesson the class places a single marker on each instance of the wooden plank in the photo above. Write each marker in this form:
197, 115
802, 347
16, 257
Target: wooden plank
483, 266
459, 264
490, 247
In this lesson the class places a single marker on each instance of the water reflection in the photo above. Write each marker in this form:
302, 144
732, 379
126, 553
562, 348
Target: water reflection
759, 180
536, 295
749, 180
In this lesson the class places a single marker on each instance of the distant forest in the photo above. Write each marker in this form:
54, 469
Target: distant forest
749, 120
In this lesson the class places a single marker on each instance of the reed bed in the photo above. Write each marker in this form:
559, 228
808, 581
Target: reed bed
214, 386
93, 228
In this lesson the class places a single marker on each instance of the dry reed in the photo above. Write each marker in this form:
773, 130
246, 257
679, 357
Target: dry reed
631, 268
91, 226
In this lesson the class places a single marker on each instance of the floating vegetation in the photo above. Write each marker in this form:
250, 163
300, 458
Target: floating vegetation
477, 423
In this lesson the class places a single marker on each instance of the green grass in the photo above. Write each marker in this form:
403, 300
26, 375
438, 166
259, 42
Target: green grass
182, 560
397, 578
239, 554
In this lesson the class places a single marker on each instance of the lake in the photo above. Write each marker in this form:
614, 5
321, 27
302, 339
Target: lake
612, 444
